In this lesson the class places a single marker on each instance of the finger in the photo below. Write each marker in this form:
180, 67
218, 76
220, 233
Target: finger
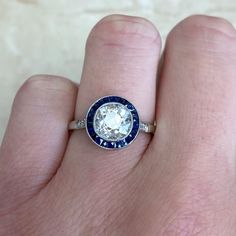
36, 136
121, 59
193, 150
197, 97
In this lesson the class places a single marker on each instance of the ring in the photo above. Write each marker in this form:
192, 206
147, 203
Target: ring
112, 122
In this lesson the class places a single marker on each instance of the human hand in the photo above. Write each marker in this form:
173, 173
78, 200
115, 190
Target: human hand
179, 182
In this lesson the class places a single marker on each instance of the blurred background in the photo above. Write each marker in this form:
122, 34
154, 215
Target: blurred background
42, 36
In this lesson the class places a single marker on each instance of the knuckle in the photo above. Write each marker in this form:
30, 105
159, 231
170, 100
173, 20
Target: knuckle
120, 30
42, 82
201, 31
31, 84
199, 200
213, 25
36, 81
192, 213
186, 224
183, 225
42, 88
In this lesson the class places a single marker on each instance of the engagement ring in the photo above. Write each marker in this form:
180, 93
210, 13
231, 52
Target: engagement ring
112, 122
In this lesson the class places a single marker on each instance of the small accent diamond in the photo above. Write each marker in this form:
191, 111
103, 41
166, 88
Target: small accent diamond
80, 124
144, 127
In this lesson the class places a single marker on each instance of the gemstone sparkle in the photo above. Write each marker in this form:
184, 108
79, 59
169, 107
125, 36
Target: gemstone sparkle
113, 121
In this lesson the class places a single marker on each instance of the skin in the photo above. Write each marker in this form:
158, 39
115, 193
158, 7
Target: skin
179, 182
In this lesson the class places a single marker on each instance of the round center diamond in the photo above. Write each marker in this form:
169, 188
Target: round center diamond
113, 121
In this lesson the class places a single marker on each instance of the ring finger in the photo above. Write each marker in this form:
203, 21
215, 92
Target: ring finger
121, 58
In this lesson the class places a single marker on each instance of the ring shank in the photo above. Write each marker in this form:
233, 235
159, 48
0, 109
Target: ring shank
144, 127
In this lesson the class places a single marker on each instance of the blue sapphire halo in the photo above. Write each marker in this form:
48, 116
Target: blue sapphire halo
112, 122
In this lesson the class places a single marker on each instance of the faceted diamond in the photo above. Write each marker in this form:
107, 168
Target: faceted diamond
113, 121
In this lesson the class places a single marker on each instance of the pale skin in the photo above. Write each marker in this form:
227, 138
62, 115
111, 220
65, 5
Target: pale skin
179, 182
